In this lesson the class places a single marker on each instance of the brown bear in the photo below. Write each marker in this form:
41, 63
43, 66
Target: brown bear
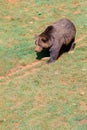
55, 36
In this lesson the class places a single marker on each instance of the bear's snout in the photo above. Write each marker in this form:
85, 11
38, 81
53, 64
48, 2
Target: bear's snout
38, 48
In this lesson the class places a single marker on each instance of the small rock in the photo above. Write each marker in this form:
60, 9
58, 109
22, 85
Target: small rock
82, 93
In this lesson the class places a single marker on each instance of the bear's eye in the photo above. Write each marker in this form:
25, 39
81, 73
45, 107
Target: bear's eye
44, 40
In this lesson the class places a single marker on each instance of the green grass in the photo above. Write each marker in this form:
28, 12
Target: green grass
40, 96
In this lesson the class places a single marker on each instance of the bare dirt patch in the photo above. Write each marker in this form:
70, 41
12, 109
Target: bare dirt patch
12, 1
20, 68
80, 39
63, 8
82, 122
64, 82
77, 4
27, 69
77, 12
83, 105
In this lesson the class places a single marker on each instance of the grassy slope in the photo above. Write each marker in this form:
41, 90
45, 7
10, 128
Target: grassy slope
41, 97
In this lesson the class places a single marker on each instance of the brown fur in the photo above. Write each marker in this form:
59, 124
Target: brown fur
55, 36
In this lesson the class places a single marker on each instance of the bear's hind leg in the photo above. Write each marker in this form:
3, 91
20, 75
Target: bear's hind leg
72, 46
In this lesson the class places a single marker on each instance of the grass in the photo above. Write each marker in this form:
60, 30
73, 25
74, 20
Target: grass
34, 95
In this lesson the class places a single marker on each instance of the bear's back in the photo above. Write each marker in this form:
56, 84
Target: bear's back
64, 25
64, 28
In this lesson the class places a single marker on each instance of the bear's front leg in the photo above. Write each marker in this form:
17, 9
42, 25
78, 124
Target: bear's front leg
53, 55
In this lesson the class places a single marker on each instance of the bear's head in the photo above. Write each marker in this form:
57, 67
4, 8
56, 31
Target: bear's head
43, 40
41, 43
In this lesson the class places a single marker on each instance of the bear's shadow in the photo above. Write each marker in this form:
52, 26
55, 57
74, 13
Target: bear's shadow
46, 53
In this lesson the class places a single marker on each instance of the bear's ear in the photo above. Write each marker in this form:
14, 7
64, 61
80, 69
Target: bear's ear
49, 29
